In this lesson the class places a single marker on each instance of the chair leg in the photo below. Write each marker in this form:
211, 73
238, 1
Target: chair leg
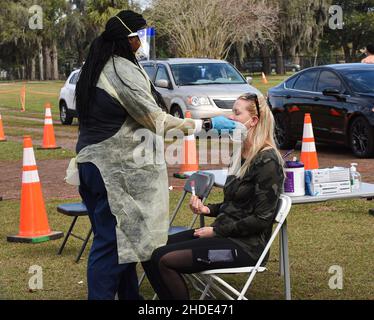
207, 288
281, 254
142, 277
286, 266
83, 245
67, 235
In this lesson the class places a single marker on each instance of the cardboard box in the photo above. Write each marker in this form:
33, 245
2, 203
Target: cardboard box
328, 175
330, 188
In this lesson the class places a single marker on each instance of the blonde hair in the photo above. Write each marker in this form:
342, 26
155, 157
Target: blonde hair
262, 136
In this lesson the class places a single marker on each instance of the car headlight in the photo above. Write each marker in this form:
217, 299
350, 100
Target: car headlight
198, 101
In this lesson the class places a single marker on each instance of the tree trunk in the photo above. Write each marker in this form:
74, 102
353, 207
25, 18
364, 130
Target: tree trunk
47, 63
279, 60
41, 61
266, 63
33, 68
55, 75
347, 53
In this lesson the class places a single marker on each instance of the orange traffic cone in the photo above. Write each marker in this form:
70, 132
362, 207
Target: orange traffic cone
2, 135
49, 141
308, 148
264, 80
189, 155
33, 216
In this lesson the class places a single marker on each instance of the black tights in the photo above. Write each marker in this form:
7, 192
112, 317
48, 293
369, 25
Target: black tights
185, 253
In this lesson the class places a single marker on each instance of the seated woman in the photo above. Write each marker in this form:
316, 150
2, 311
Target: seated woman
244, 219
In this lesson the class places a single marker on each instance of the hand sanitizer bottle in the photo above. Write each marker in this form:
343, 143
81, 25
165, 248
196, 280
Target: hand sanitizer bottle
355, 178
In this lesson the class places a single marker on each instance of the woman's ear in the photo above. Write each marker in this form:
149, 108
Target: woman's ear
253, 121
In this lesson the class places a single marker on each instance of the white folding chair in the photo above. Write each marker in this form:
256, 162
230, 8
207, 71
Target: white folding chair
212, 280
204, 183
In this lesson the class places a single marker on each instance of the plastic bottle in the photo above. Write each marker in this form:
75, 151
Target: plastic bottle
355, 177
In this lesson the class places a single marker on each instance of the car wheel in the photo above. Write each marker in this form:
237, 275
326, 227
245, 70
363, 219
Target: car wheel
361, 138
282, 136
177, 112
65, 117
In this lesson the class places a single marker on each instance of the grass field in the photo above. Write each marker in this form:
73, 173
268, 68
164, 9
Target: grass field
320, 235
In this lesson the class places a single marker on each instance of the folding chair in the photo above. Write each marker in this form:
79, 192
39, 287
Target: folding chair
212, 281
74, 210
204, 182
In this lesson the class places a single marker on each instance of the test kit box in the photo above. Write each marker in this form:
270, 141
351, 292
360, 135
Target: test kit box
328, 188
329, 175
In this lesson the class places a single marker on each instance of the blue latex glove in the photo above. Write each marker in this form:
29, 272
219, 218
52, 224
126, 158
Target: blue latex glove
222, 123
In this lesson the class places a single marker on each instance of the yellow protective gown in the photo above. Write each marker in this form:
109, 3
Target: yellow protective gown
137, 192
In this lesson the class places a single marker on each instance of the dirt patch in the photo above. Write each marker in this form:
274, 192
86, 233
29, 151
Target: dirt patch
52, 172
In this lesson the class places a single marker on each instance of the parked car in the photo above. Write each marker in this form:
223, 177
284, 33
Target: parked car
67, 99
288, 66
206, 87
340, 99
252, 66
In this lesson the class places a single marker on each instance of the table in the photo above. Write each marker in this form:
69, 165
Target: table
366, 192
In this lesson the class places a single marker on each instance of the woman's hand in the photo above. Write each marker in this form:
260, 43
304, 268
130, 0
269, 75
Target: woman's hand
197, 206
206, 232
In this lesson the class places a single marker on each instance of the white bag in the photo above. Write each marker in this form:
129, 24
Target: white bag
72, 173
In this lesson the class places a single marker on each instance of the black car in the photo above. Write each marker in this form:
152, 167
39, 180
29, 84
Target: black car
340, 99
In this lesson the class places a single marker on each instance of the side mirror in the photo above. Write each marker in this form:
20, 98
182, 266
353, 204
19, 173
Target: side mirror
162, 83
249, 80
330, 92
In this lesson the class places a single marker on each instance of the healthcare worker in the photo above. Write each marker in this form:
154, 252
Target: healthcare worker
127, 201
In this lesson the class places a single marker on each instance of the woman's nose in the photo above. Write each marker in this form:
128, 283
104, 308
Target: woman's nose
231, 117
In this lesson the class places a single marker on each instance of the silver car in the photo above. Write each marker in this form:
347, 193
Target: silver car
206, 87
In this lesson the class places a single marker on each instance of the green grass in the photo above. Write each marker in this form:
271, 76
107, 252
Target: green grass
34, 101
12, 151
335, 233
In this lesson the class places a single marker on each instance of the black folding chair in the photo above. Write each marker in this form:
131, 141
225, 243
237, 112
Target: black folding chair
74, 210
204, 182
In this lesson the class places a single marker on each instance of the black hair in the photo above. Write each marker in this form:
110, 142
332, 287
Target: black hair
113, 41
370, 48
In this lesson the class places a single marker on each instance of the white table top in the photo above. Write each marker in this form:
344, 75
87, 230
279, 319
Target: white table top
366, 191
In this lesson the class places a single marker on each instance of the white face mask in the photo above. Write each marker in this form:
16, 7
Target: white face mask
240, 133
140, 53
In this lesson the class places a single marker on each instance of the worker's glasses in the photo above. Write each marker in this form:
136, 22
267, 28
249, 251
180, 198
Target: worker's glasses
253, 97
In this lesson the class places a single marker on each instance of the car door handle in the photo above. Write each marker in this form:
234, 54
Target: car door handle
316, 99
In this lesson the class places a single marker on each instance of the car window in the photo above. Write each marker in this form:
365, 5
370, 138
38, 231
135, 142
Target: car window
361, 81
327, 79
151, 71
205, 73
74, 78
162, 74
290, 82
306, 80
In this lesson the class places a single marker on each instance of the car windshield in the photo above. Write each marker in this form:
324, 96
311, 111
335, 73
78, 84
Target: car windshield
205, 74
361, 81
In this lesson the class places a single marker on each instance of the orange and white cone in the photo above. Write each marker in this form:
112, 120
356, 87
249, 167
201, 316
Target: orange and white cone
2, 135
189, 154
308, 148
49, 141
264, 80
33, 225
